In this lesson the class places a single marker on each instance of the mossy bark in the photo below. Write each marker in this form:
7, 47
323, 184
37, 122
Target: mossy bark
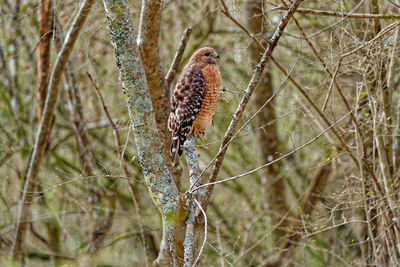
148, 39
161, 185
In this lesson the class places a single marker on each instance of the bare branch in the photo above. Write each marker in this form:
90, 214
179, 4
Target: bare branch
311, 197
45, 129
340, 14
38, 235
177, 58
123, 165
46, 33
205, 231
247, 94
274, 161
333, 80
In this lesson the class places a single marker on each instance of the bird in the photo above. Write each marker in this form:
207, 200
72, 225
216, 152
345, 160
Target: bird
194, 100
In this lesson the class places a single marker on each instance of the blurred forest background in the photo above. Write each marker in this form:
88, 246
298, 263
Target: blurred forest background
319, 136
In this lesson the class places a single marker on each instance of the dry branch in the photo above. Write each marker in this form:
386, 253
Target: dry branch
340, 14
298, 87
46, 33
177, 58
45, 129
317, 185
124, 168
247, 94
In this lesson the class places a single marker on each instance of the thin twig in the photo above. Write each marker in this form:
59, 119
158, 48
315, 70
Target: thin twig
298, 87
274, 161
333, 80
177, 58
243, 103
122, 162
379, 35
45, 128
39, 236
244, 125
205, 231
340, 14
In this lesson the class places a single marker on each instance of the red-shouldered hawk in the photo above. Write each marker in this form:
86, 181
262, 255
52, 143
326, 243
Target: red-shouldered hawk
195, 98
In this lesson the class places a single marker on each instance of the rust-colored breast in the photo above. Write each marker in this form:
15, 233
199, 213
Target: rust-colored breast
211, 96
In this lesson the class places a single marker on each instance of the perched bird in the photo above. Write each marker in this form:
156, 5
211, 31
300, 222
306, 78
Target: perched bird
195, 98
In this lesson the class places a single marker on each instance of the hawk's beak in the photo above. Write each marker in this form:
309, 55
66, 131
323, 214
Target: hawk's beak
216, 56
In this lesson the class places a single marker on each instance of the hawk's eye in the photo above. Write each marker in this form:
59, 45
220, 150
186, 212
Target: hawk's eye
207, 54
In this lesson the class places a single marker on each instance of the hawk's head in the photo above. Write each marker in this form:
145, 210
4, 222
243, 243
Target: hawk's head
205, 55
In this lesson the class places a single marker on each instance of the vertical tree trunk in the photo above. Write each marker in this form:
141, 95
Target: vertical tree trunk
148, 39
46, 33
267, 138
162, 188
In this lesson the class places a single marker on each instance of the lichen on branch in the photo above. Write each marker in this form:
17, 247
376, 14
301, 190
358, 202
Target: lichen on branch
134, 85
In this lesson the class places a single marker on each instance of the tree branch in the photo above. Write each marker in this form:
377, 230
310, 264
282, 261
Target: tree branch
177, 58
303, 92
43, 69
45, 129
124, 168
161, 186
193, 209
317, 184
148, 39
340, 14
247, 94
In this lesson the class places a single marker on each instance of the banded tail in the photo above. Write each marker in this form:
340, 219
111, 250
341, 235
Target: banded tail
178, 141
